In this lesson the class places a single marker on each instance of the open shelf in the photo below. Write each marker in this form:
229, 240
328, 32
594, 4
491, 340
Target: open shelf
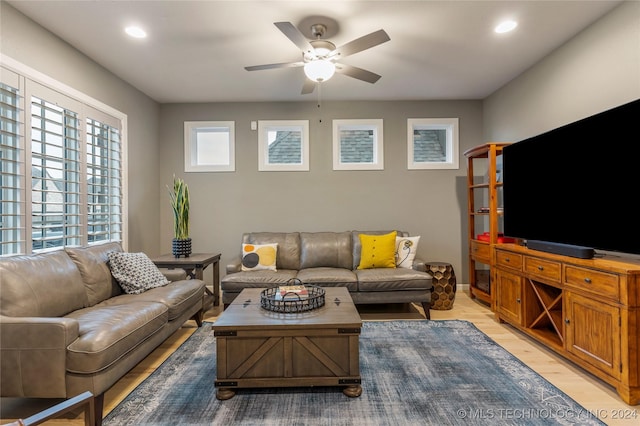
543, 314
485, 185
482, 288
480, 294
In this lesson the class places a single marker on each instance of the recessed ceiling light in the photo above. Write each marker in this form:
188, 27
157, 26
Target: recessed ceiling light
135, 32
505, 27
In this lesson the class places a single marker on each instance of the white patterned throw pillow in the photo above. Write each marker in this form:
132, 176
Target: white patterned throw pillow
257, 257
406, 248
135, 272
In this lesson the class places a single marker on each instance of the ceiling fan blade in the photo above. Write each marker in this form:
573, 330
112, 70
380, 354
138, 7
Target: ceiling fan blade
358, 73
272, 66
295, 36
360, 44
308, 86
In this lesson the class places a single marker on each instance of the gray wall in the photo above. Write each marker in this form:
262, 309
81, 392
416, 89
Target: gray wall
29, 43
429, 203
598, 69
595, 71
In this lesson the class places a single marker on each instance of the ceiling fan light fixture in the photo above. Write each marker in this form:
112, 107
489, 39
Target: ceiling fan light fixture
319, 70
320, 57
322, 48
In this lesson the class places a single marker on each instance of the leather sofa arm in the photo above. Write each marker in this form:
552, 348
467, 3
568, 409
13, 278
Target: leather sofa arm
419, 265
234, 266
34, 352
174, 274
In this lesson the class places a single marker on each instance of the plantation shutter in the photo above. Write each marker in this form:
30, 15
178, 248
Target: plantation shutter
62, 176
104, 178
56, 198
12, 164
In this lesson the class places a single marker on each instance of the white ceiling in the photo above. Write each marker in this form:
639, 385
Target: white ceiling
197, 50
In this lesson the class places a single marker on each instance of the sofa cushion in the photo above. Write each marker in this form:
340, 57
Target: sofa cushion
387, 279
234, 283
378, 251
109, 332
331, 249
135, 272
177, 296
406, 248
41, 285
329, 277
92, 264
288, 256
256, 257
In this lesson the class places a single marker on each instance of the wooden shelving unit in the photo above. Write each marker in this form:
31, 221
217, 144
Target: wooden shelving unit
483, 218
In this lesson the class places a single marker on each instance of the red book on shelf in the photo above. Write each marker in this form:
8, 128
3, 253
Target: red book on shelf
501, 238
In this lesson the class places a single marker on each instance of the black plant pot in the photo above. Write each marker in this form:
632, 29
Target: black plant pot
181, 247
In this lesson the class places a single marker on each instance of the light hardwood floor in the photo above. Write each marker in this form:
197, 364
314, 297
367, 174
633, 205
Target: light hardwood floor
593, 394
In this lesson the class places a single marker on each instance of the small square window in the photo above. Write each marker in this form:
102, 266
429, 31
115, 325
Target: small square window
209, 146
432, 143
283, 145
358, 145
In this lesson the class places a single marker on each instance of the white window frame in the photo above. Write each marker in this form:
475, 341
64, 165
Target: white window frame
13, 220
27, 73
450, 125
223, 164
375, 125
266, 126
71, 227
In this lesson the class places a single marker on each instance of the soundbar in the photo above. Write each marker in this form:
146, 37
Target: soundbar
580, 252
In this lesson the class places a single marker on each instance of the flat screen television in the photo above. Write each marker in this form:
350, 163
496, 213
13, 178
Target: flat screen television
577, 186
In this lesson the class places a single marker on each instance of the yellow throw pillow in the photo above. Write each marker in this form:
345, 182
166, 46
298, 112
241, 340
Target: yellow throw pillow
378, 251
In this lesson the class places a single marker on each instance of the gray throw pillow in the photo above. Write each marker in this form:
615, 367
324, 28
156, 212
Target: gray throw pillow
135, 272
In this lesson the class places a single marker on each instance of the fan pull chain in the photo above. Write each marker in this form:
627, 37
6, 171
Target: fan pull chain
319, 99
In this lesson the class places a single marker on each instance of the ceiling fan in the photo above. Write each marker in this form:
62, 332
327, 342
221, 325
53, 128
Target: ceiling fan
320, 57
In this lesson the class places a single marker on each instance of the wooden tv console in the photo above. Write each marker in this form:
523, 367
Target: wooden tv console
587, 310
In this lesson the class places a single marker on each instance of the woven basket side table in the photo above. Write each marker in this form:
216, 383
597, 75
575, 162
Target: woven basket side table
444, 285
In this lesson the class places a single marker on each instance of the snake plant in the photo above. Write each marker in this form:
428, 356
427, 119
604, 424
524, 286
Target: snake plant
180, 204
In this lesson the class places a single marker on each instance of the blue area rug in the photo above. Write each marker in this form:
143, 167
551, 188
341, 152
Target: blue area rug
413, 373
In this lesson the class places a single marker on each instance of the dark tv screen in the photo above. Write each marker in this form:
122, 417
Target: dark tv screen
578, 184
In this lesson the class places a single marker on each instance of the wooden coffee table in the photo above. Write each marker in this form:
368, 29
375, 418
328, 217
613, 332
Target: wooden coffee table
258, 348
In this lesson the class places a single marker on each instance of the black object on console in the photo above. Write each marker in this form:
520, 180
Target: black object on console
563, 249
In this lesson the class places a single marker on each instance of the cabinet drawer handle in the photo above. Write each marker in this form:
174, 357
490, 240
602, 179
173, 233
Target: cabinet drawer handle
518, 300
506, 259
587, 280
540, 268
566, 321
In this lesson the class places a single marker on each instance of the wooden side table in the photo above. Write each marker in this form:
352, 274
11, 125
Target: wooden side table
194, 266
444, 285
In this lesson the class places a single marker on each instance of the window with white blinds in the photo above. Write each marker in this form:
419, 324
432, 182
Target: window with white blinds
104, 182
56, 215
12, 176
62, 170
